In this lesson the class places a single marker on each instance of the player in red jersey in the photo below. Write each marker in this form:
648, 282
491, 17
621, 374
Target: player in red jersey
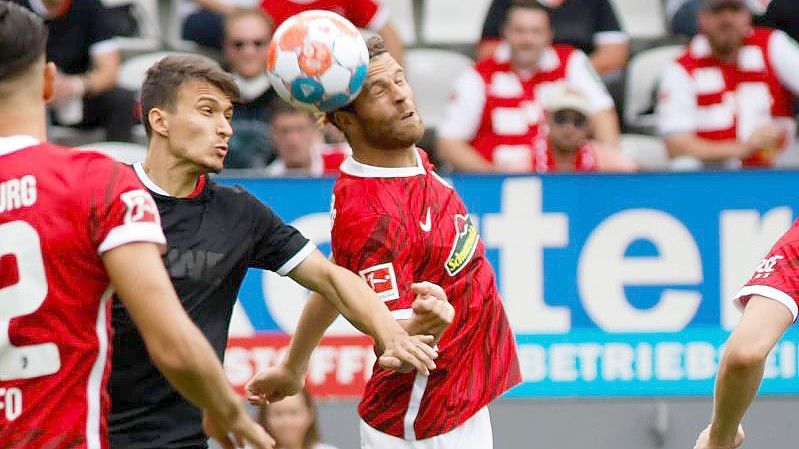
74, 227
396, 221
771, 303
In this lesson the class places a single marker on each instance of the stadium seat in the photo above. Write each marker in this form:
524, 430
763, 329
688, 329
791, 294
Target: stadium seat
647, 151
453, 21
122, 151
402, 18
132, 71
641, 19
643, 74
431, 73
145, 13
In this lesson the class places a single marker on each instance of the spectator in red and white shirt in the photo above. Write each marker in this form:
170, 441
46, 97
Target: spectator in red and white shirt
569, 147
495, 119
300, 145
728, 100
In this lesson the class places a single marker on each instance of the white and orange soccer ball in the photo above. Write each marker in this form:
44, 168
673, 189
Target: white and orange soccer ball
317, 60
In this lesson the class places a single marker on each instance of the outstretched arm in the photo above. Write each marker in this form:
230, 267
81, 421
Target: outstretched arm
741, 370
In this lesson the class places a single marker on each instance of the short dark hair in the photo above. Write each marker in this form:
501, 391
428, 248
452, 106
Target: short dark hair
23, 39
376, 46
164, 78
526, 4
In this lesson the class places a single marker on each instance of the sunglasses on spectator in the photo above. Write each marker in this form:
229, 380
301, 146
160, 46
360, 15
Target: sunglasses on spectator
575, 118
258, 43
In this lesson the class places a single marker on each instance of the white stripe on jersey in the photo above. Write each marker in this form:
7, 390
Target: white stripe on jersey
417, 392
93, 393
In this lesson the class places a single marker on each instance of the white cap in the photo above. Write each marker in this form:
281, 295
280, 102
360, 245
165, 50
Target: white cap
566, 97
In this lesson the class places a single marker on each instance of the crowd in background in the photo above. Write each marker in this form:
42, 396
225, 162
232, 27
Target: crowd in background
545, 92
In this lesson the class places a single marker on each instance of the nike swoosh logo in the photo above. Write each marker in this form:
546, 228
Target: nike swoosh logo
426, 225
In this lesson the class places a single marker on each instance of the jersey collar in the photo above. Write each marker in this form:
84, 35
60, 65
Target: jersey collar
11, 144
151, 186
354, 168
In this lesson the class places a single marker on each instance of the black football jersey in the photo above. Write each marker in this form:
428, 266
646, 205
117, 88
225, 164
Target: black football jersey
212, 239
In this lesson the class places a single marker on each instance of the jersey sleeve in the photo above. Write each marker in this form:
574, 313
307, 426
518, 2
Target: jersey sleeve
777, 275
369, 14
462, 115
494, 19
784, 54
278, 247
676, 103
582, 76
101, 37
607, 29
374, 247
119, 209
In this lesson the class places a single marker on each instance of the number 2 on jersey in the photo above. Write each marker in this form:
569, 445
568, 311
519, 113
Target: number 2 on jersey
21, 241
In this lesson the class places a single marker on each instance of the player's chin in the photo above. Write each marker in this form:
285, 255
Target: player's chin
214, 164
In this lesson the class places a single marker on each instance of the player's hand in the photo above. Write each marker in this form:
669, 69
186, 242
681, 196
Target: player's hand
704, 440
405, 353
236, 432
274, 384
432, 311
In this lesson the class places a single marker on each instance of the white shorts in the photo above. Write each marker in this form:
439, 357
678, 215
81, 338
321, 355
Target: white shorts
474, 433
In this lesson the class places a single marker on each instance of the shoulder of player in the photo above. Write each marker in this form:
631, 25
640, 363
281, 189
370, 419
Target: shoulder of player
93, 164
238, 197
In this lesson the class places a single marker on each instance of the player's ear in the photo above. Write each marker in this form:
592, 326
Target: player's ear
158, 121
344, 120
49, 79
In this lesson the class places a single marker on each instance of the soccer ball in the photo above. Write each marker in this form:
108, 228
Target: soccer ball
317, 60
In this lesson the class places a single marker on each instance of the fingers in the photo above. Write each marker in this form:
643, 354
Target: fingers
429, 289
389, 362
256, 399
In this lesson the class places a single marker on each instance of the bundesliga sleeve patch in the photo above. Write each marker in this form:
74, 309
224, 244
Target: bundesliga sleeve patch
463, 247
140, 207
382, 279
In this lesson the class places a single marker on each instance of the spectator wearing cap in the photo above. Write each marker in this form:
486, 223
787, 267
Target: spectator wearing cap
569, 147
495, 119
682, 15
727, 100
80, 43
247, 34
590, 25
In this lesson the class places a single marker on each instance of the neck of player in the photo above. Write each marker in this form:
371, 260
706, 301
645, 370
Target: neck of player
20, 118
382, 157
178, 177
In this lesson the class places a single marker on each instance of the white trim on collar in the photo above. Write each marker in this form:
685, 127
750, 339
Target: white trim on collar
10, 144
138, 167
352, 167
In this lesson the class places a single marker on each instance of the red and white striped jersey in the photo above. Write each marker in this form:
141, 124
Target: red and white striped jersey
396, 226
369, 14
60, 210
728, 101
500, 111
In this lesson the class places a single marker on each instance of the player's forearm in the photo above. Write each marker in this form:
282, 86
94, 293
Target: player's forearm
736, 386
358, 303
317, 315
415, 326
462, 156
703, 149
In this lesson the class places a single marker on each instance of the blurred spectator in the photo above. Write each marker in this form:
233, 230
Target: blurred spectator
590, 25
366, 14
495, 119
727, 100
300, 145
783, 15
81, 45
569, 148
682, 15
247, 35
205, 20
292, 423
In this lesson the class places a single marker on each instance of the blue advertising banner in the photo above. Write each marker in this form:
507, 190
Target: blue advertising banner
616, 285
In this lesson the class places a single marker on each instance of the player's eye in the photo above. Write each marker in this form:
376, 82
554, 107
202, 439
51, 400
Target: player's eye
206, 110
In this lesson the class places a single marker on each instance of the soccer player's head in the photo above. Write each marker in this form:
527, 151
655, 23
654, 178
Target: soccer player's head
23, 71
528, 32
187, 105
383, 115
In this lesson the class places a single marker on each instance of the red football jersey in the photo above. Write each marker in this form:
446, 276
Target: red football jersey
777, 276
396, 226
369, 14
60, 210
